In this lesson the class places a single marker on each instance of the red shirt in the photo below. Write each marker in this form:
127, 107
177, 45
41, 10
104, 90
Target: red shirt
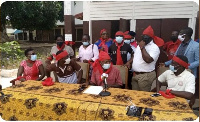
114, 77
171, 47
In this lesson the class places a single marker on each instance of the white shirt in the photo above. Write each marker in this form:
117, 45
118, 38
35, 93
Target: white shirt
88, 53
183, 82
139, 65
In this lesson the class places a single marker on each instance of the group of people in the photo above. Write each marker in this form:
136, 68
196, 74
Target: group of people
141, 57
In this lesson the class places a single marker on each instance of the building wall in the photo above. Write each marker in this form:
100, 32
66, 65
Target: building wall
139, 10
77, 7
142, 10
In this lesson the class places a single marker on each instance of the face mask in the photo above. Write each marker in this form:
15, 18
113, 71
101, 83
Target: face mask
181, 38
132, 40
67, 61
60, 44
119, 39
173, 38
127, 41
172, 68
85, 43
33, 57
106, 66
146, 39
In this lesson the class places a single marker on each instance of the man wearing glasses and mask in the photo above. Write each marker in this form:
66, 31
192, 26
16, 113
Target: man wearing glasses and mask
144, 61
190, 49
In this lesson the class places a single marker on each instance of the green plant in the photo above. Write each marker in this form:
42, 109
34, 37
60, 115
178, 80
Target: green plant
11, 55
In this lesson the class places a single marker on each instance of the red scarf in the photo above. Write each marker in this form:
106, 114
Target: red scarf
119, 57
134, 43
103, 44
167, 94
62, 47
97, 67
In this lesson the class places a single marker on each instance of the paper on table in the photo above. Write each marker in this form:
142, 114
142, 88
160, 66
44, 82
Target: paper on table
93, 90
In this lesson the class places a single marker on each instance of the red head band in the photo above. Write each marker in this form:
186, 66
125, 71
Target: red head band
61, 55
181, 62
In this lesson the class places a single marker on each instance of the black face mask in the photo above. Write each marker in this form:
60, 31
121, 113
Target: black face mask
60, 44
146, 39
173, 38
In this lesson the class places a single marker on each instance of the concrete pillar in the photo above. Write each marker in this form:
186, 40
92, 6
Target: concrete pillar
69, 23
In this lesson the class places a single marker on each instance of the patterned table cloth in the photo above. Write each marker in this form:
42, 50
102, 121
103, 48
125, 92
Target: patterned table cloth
32, 101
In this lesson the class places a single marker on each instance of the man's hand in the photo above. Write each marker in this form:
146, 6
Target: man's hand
141, 44
128, 65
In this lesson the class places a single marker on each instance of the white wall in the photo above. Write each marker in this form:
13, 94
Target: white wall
133, 10
76, 9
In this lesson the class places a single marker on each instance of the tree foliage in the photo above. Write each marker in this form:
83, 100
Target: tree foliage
32, 15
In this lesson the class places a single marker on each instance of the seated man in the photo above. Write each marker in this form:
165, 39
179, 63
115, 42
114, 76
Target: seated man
104, 65
65, 69
179, 80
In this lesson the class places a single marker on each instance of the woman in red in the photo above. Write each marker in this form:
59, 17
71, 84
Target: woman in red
104, 42
30, 69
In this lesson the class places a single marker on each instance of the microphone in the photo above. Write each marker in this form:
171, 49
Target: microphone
105, 93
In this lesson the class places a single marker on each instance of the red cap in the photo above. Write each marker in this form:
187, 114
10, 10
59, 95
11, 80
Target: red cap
126, 32
103, 56
149, 31
102, 31
157, 40
119, 33
127, 36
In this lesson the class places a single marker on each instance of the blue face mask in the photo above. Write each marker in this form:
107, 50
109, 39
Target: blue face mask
172, 68
33, 57
119, 39
132, 40
106, 66
86, 43
127, 41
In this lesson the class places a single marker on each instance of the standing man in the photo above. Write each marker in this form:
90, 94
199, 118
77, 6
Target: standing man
133, 41
171, 46
190, 49
144, 61
119, 50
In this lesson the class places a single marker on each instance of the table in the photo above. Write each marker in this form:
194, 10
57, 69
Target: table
32, 101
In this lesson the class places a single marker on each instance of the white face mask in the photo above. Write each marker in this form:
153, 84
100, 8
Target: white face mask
181, 38
106, 66
67, 61
127, 41
119, 39
132, 40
